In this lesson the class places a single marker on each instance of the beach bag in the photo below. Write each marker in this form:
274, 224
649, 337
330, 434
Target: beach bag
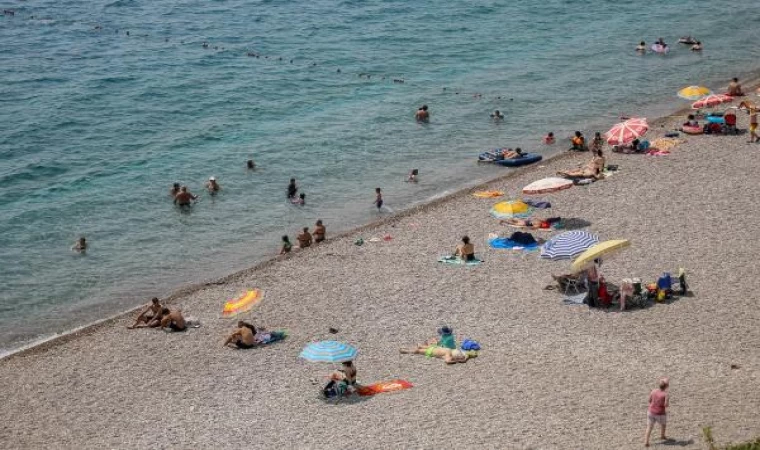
522, 238
470, 344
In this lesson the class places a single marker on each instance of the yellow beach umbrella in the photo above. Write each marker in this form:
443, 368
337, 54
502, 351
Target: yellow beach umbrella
605, 248
694, 92
511, 208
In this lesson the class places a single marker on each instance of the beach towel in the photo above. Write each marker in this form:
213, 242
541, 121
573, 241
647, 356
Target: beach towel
459, 262
505, 243
540, 204
488, 194
383, 387
577, 299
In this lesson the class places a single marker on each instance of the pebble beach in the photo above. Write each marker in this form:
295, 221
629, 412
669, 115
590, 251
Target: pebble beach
550, 376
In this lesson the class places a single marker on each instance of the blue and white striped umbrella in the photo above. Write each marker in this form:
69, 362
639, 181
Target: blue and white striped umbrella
329, 351
568, 245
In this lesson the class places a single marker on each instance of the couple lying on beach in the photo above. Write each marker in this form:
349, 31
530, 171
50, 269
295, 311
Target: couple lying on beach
593, 169
248, 336
158, 316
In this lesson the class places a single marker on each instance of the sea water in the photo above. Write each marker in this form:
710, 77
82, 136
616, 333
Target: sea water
104, 104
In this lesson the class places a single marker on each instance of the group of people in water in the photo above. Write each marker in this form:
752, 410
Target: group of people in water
660, 46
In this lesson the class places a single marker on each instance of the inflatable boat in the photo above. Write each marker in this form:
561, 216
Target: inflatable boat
526, 158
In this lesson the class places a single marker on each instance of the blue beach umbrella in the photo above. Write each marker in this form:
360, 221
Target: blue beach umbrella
568, 245
329, 351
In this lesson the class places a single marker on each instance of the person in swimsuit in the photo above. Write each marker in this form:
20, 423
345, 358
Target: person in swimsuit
172, 320
549, 138
150, 316
497, 116
465, 250
642, 48
174, 190
301, 200
753, 137
579, 142
292, 189
378, 199
592, 169
212, 186
80, 246
526, 223
659, 401
319, 231
444, 347
242, 337
509, 154
304, 239
286, 245
697, 47
250, 165
422, 114
184, 198
598, 142
734, 88
342, 382
413, 176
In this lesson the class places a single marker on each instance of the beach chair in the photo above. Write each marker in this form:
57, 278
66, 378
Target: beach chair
568, 284
640, 298
729, 122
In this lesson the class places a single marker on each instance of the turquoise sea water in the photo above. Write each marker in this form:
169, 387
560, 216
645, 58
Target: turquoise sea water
97, 124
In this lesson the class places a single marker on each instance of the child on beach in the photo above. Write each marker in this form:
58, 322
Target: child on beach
286, 245
549, 138
656, 413
753, 137
691, 121
378, 199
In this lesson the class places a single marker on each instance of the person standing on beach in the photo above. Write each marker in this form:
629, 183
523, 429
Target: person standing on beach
304, 239
319, 231
659, 401
753, 137
184, 198
292, 189
378, 199
422, 114
150, 315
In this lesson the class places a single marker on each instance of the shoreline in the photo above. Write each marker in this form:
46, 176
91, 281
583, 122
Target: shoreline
44, 343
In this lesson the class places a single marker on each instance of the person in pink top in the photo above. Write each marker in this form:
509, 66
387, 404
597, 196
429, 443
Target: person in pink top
656, 413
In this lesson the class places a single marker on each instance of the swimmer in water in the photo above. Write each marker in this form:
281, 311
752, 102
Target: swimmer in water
292, 189
301, 200
319, 231
422, 114
304, 239
250, 165
697, 47
413, 176
174, 190
184, 198
80, 246
286, 245
549, 138
212, 186
642, 47
497, 116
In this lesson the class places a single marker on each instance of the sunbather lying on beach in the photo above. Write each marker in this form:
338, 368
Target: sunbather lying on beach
448, 355
592, 169
172, 320
527, 223
150, 316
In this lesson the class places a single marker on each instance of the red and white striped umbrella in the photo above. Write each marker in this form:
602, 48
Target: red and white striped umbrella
711, 100
625, 132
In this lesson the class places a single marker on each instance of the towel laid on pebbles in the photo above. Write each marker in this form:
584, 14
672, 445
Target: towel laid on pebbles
459, 262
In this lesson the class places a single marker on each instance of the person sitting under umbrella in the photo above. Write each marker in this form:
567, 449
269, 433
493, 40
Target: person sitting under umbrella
592, 169
342, 382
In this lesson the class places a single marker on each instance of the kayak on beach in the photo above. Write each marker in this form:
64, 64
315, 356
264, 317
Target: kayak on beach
494, 156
